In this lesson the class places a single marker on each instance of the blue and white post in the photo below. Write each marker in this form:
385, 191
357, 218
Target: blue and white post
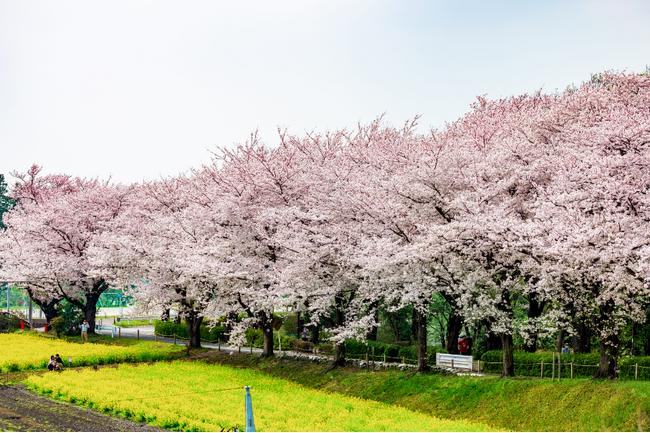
250, 423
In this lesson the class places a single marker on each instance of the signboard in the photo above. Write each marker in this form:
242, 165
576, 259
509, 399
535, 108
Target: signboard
277, 324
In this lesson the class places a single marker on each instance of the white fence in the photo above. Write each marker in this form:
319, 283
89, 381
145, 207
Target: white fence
455, 361
112, 329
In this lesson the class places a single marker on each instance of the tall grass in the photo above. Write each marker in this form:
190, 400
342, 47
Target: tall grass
517, 404
199, 397
29, 352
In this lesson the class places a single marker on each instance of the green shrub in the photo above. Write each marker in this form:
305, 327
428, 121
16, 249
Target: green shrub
326, 348
7, 321
70, 319
290, 324
411, 353
358, 349
585, 365
181, 330
256, 337
302, 345
287, 341
627, 367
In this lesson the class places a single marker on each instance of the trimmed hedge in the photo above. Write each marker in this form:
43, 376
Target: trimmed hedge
256, 337
585, 365
207, 334
305, 346
627, 367
411, 352
358, 349
394, 353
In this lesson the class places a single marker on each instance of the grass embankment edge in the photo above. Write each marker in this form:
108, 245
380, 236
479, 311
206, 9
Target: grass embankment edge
518, 404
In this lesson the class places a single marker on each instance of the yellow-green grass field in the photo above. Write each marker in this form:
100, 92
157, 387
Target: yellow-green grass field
24, 351
199, 397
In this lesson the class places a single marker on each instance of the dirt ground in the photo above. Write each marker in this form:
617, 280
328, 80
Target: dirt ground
24, 410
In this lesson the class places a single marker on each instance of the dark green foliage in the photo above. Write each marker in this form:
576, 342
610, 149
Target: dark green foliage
642, 336
628, 366
69, 318
395, 325
585, 365
256, 337
394, 353
290, 324
480, 346
411, 353
7, 321
304, 346
207, 334
6, 203
358, 349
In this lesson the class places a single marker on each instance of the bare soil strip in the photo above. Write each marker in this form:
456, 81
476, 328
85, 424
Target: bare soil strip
24, 410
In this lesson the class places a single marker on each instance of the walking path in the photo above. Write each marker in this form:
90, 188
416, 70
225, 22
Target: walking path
147, 333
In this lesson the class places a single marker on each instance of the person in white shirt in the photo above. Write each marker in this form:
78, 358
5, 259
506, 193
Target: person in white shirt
84, 331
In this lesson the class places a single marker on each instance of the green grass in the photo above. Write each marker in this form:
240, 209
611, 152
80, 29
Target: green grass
133, 323
513, 404
199, 397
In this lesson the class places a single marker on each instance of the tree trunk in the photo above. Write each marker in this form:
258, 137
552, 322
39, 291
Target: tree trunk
608, 352
165, 314
339, 357
300, 324
193, 322
90, 310
454, 327
315, 333
560, 341
266, 323
48, 307
267, 333
339, 320
422, 341
90, 307
371, 335
582, 338
508, 356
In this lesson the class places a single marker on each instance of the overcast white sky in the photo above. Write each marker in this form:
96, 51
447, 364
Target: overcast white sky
142, 89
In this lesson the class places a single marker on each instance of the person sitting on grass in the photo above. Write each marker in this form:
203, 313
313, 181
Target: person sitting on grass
59, 362
52, 364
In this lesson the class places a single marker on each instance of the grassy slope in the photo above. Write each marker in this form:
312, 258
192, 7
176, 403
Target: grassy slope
518, 404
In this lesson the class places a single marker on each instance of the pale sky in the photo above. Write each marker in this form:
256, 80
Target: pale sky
143, 89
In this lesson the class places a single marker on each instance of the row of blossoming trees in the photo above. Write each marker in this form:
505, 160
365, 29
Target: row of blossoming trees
538, 198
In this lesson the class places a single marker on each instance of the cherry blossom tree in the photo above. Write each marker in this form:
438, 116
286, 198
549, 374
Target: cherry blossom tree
49, 233
595, 212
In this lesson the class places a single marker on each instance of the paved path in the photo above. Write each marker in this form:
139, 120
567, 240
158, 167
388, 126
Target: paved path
24, 410
146, 333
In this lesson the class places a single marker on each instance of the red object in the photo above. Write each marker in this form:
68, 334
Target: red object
22, 325
463, 346
46, 327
